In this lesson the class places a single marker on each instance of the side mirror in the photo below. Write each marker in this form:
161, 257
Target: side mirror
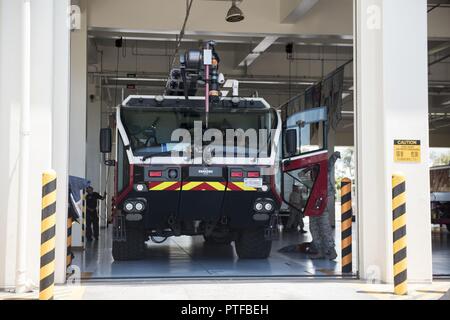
105, 140
291, 142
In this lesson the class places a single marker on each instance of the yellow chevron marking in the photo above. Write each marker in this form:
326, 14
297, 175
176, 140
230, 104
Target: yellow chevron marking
400, 266
346, 206
217, 185
48, 177
47, 293
397, 180
346, 260
346, 242
346, 224
48, 199
162, 186
47, 270
48, 223
191, 185
398, 201
47, 246
399, 222
399, 244
401, 289
346, 189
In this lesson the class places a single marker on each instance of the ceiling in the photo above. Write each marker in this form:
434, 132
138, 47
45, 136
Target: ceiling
148, 54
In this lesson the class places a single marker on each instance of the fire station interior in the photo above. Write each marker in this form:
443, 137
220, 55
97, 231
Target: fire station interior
292, 72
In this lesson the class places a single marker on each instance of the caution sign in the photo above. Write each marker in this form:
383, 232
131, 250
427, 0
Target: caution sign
407, 151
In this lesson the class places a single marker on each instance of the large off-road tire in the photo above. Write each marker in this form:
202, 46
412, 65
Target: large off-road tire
131, 249
252, 244
213, 240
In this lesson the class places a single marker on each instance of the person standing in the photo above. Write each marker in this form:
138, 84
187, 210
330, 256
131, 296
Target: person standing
323, 237
92, 226
296, 210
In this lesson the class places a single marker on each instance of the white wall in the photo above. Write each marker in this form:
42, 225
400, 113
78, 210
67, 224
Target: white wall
10, 102
328, 17
262, 16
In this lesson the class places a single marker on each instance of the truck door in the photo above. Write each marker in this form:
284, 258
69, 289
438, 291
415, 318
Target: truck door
304, 166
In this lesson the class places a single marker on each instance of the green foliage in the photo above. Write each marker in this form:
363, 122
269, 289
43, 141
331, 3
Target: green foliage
440, 157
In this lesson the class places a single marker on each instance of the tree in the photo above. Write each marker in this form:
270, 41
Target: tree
440, 157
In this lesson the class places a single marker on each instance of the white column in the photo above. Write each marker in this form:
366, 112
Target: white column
60, 143
48, 98
78, 89
391, 103
11, 16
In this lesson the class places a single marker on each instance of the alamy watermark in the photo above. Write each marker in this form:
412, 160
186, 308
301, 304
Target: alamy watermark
214, 146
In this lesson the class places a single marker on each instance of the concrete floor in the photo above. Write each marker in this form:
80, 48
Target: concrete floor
441, 251
181, 257
190, 257
240, 290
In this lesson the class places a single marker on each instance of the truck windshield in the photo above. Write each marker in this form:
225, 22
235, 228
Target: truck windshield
150, 130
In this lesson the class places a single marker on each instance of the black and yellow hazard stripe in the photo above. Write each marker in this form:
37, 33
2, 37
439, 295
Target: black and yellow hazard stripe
69, 242
48, 233
399, 234
346, 226
83, 220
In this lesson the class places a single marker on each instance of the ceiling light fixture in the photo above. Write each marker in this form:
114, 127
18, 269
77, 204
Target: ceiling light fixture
234, 14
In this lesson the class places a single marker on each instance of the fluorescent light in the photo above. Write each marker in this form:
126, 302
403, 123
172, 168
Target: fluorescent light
256, 52
265, 44
447, 103
249, 59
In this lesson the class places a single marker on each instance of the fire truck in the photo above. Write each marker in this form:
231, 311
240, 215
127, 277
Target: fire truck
189, 165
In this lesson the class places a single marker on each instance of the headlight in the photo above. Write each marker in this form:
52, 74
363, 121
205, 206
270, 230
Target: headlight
129, 207
139, 206
259, 206
268, 207
264, 205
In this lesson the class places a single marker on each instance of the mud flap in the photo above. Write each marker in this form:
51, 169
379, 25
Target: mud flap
119, 229
271, 232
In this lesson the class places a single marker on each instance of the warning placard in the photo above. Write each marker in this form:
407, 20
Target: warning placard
407, 151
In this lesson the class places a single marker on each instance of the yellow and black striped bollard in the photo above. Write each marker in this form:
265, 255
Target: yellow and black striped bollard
346, 226
69, 242
83, 222
399, 234
48, 233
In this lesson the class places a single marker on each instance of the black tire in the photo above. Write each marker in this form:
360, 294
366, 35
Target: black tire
131, 249
448, 227
252, 244
211, 240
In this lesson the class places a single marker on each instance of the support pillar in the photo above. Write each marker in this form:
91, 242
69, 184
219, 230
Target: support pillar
47, 82
78, 95
391, 103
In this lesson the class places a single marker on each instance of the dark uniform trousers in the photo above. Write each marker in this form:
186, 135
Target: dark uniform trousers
92, 226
